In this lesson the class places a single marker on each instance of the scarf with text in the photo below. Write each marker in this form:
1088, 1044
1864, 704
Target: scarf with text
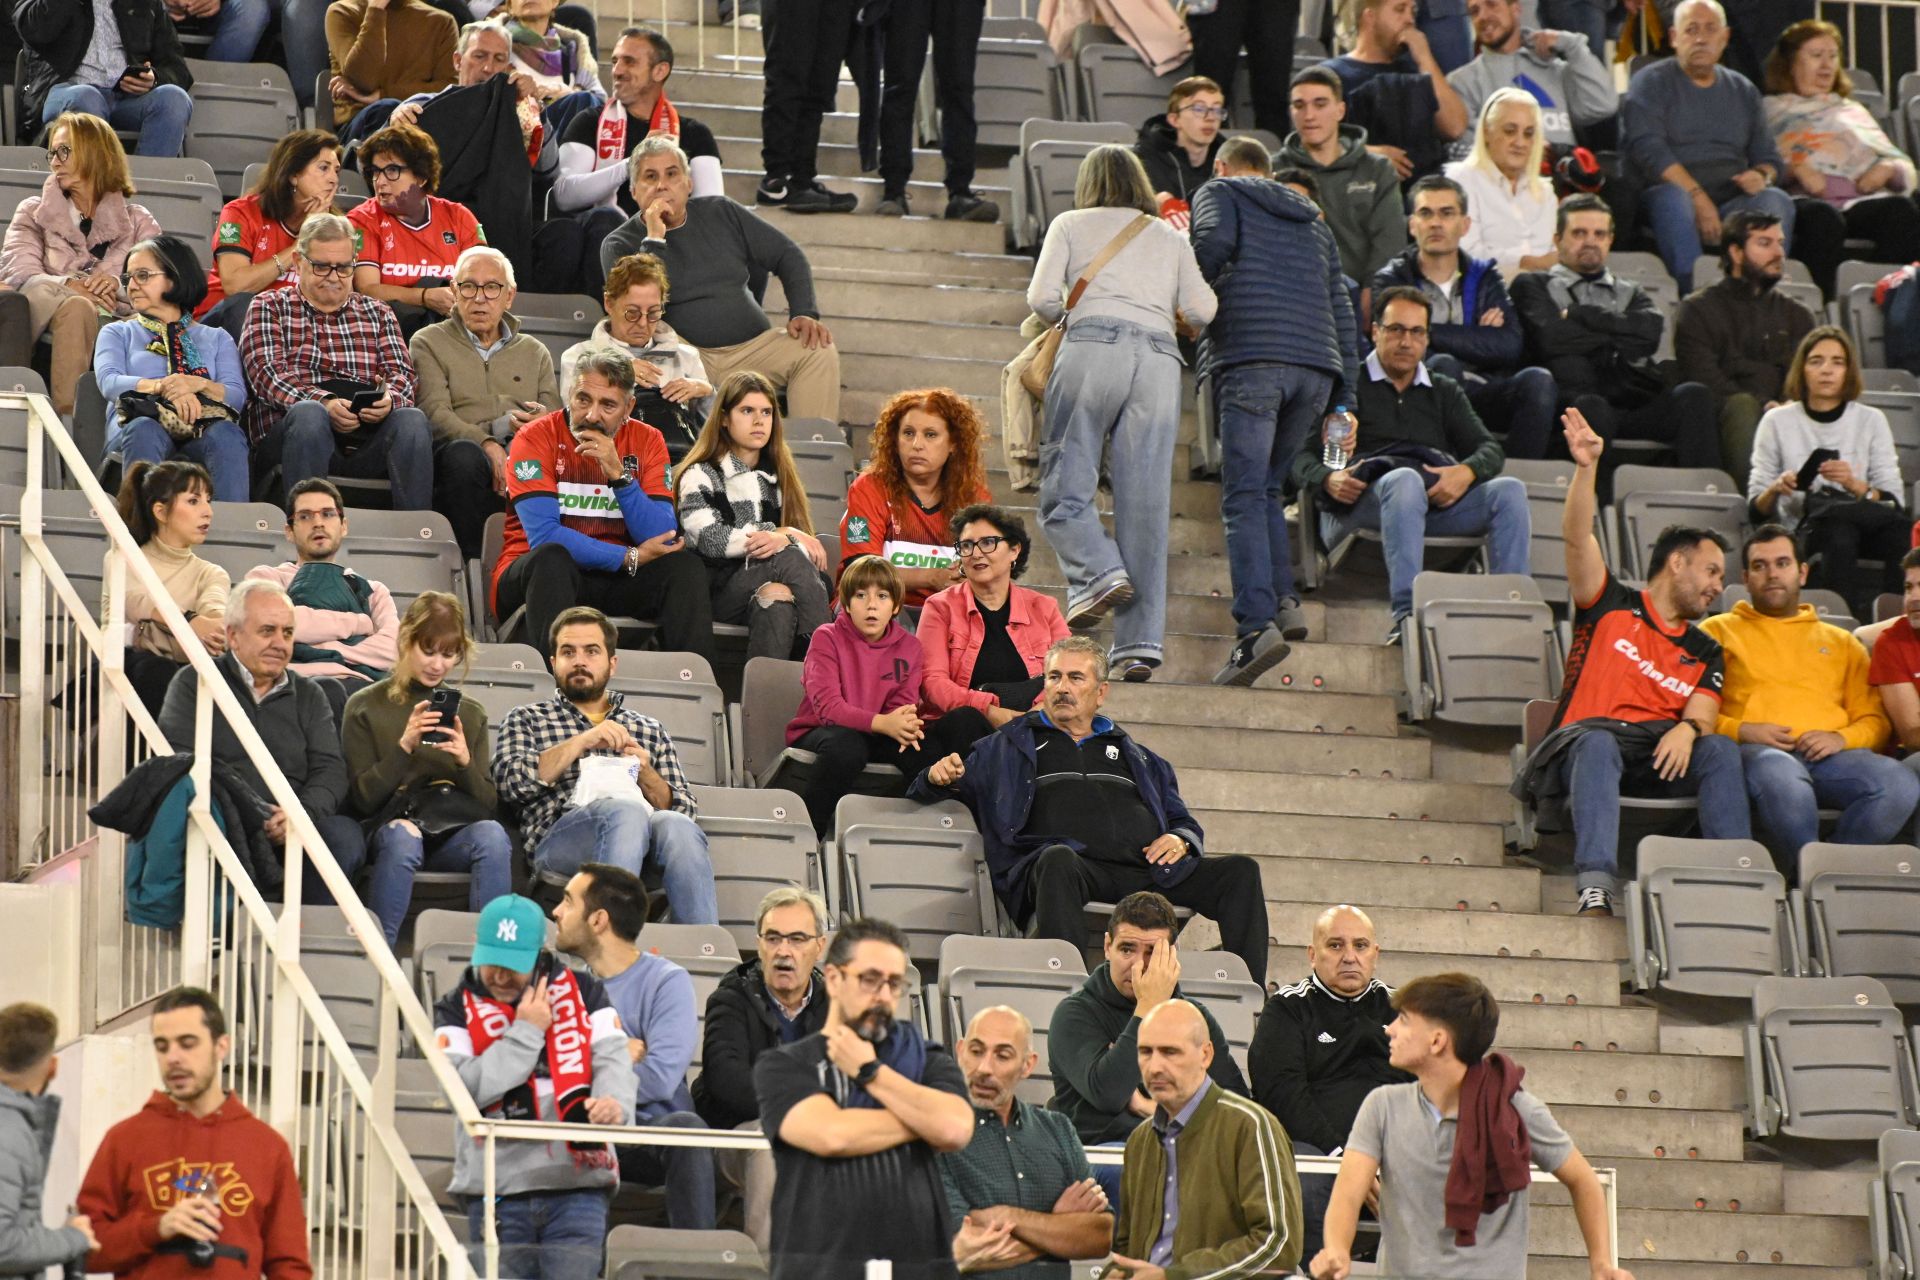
610, 143
569, 1056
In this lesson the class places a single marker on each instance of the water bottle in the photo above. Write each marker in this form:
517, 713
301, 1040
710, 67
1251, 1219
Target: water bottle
1337, 436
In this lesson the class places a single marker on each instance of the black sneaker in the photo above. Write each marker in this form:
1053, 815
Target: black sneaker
1595, 901
831, 201
893, 206
1397, 631
1136, 670
772, 191
1253, 657
968, 207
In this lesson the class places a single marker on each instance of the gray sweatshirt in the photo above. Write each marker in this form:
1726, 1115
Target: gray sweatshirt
1715, 132
1787, 435
1571, 84
712, 260
1144, 284
27, 1245
1360, 196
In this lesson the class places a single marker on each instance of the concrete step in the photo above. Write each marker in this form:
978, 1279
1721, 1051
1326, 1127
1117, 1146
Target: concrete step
1691, 1186
1334, 668
707, 45
1407, 932
1840, 1190
890, 335
836, 160
1352, 714
897, 371
1634, 1080
1238, 830
1211, 614
1663, 1133
1338, 797
934, 311
890, 233
1393, 884
1512, 981
1575, 1268
1191, 498
742, 119
843, 262
1584, 1028
929, 197
697, 91
1190, 746
1722, 1238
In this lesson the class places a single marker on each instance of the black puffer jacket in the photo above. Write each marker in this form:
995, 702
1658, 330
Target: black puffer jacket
56, 34
1276, 269
1166, 163
739, 1028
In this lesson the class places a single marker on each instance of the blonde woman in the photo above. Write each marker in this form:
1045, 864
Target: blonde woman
1512, 202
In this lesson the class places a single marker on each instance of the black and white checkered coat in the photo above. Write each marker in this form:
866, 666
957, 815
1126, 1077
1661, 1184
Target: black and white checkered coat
721, 502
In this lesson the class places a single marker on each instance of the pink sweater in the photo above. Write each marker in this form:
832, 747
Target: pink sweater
849, 681
375, 640
952, 631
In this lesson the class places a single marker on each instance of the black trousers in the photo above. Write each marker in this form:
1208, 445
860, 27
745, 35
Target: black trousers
1681, 416
842, 753
670, 591
1820, 233
1848, 531
806, 41
1225, 888
566, 250
463, 492
1266, 29
954, 27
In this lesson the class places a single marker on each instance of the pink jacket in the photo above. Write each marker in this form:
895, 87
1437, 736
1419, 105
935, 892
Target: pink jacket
952, 631
44, 241
849, 681
375, 640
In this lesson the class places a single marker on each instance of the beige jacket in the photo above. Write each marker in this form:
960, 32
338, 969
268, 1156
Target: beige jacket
467, 398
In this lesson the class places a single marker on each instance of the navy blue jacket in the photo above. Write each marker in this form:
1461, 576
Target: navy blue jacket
1484, 348
1266, 253
998, 788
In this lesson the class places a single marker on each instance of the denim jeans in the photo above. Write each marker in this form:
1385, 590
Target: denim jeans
303, 31
221, 449
1670, 210
1597, 778
348, 844
1874, 793
482, 848
1109, 1175
544, 1235
1587, 17
236, 30
400, 448
1316, 1192
1115, 388
625, 834
685, 1172
1396, 505
160, 114
1266, 412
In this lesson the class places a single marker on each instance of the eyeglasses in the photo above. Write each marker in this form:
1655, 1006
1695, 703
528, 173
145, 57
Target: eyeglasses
470, 289
341, 270
634, 315
60, 154
141, 276
989, 544
1200, 111
391, 172
773, 941
1404, 330
317, 515
873, 980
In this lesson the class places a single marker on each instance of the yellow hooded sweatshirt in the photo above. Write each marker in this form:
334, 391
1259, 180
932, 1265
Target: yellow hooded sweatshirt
1799, 672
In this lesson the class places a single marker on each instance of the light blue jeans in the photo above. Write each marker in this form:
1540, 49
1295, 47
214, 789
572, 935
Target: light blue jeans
1670, 210
221, 449
1115, 388
160, 114
1875, 794
1396, 505
480, 848
626, 834
544, 1235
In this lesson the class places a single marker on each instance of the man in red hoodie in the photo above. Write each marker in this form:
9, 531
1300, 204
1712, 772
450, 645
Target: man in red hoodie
194, 1170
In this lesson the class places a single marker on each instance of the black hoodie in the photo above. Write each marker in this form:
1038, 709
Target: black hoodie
1166, 161
740, 1026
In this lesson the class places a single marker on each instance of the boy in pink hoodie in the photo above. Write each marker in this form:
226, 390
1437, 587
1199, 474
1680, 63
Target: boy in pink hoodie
862, 685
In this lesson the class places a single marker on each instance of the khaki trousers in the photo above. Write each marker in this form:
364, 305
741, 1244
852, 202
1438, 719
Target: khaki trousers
811, 379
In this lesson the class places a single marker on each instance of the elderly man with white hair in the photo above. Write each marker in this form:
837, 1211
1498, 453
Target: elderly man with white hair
719, 254
481, 380
330, 384
291, 714
1696, 134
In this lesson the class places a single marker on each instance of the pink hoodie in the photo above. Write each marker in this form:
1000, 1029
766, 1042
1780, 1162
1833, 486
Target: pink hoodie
375, 641
849, 681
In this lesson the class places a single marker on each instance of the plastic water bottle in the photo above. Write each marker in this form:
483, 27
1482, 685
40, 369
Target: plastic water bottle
1337, 435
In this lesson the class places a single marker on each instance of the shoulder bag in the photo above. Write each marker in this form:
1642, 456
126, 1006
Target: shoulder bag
1047, 345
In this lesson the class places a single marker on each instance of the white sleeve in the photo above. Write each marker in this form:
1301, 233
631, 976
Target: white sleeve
707, 177
580, 185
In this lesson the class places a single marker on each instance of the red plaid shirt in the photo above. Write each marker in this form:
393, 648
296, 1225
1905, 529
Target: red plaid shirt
288, 348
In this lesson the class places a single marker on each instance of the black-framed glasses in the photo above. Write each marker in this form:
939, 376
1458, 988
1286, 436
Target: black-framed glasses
989, 544
1404, 330
634, 315
60, 154
473, 289
339, 270
141, 276
774, 941
391, 172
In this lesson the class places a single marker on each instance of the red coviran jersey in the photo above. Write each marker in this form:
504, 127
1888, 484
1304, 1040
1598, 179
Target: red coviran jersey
905, 535
1627, 663
245, 230
407, 255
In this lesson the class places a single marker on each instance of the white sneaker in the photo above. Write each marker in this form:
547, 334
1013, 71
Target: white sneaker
1595, 901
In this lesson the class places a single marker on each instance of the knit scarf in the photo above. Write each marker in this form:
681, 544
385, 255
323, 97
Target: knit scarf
170, 340
610, 143
569, 1058
904, 1050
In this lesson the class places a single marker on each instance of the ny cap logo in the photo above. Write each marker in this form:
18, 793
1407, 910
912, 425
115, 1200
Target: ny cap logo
509, 931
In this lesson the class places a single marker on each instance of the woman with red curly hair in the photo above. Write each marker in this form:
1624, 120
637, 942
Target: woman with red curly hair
924, 466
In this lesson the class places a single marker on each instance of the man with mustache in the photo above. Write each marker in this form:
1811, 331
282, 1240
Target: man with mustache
855, 1114
1073, 811
1024, 1201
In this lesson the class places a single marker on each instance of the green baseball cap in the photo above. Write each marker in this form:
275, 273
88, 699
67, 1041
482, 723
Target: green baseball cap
511, 932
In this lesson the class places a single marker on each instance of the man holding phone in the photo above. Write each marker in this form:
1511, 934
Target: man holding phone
332, 383
127, 69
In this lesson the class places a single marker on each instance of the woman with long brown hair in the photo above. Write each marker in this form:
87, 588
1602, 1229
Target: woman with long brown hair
743, 508
253, 241
923, 465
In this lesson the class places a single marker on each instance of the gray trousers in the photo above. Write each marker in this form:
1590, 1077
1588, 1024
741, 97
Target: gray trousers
773, 626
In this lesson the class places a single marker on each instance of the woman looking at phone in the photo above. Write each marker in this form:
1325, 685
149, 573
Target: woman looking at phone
416, 752
1845, 502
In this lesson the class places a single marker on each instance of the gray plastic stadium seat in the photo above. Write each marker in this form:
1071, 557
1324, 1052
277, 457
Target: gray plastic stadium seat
1115, 85
1867, 323
679, 691
1049, 955
185, 207
661, 1253
1708, 917
13, 423
20, 184
246, 535
769, 696
1889, 380
1707, 272
557, 319
1221, 981
826, 480
1014, 80
1827, 1058
269, 76
425, 1121
235, 125
823, 445
501, 689
1482, 646
921, 866
1829, 605
969, 988
1046, 165
1546, 483
1860, 911
442, 949
74, 538
1903, 418
758, 840
707, 952
350, 987
1648, 499
1893, 1206
1853, 272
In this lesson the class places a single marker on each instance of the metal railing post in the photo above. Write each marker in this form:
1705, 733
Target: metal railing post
378, 1188
196, 926
33, 650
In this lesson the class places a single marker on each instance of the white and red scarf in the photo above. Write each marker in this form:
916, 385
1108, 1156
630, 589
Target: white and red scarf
569, 1055
610, 142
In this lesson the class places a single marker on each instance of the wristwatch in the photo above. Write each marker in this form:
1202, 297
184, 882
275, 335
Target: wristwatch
621, 483
864, 1076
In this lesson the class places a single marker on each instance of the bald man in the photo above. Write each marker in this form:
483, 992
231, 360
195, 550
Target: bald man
1024, 1201
1321, 1047
1210, 1189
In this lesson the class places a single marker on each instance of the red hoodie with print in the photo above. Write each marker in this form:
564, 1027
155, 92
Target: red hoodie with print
146, 1159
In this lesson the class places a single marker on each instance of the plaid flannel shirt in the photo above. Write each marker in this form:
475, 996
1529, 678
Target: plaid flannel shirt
289, 347
530, 730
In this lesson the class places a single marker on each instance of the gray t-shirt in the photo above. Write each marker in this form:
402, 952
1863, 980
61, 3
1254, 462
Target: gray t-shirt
1400, 1129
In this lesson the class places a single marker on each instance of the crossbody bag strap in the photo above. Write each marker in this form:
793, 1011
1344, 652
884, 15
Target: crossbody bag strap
1106, 255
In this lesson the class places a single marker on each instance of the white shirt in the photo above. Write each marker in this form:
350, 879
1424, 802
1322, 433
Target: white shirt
1509, 222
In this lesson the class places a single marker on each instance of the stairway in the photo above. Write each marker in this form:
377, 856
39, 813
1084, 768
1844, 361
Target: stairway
1312, 773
